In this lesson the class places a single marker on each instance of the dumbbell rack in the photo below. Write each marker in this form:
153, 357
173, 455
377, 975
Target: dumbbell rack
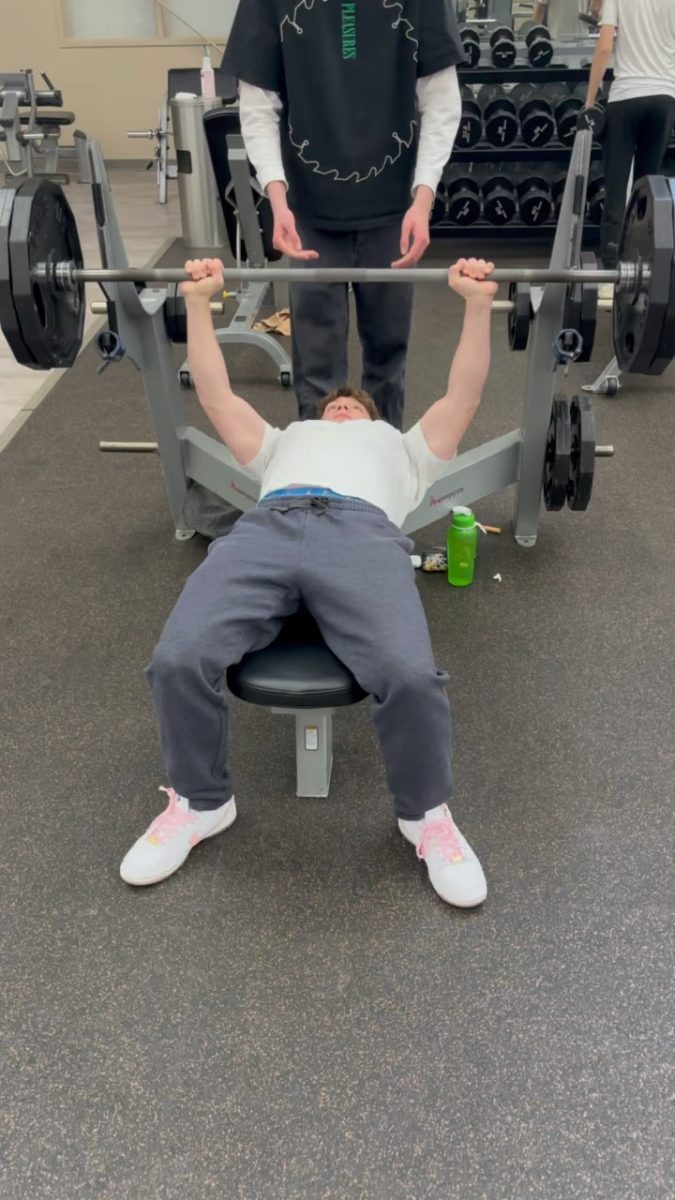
573, 69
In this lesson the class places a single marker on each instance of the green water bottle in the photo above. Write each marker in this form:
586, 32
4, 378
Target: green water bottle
462, 547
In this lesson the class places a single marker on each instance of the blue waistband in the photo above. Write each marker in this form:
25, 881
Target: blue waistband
305, 491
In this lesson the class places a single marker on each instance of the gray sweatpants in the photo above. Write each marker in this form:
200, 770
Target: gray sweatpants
351, 567
320, 321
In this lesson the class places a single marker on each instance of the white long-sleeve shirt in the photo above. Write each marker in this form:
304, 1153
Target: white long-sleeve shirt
440, 108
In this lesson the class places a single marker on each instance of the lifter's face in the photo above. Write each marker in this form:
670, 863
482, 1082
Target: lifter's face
346, 408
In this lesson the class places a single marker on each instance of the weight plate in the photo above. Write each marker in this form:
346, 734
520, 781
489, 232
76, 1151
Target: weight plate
520, 315
499, 202
464, 202
666, 349
536, 204
540, 52
640, 318
558, 451
9, 321
582, 455
589, 307
175, 315
43, 232
503, 53
470, 126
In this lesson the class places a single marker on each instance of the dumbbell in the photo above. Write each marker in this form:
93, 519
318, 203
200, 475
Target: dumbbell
538, 42
592, 118
566, 109
499, 199
537, 125
471, 46
499, 115
502, 47
595, 196
463, 199
558, 182
535, 202
471, 124
439, 211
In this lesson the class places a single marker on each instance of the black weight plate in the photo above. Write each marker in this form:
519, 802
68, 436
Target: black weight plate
582, 455
470, 46
534, 33
440, 209
647, 238
666, 349
588, 317
520, 316
558, 452
567, 114
9, 321
43, 232
175, 315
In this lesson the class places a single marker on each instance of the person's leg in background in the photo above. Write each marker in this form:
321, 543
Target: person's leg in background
621, 131
384, 315
656, 127
320, 320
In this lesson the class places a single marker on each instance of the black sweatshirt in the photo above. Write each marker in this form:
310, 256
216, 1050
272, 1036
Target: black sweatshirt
346, 71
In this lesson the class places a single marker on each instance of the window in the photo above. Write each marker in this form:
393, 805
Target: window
101, 21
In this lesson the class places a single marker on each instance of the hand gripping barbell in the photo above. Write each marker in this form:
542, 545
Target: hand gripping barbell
42, 277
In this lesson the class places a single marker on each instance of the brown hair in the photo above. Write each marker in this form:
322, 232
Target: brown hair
355, 394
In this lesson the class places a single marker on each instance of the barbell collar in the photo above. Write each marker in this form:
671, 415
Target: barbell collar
67, 276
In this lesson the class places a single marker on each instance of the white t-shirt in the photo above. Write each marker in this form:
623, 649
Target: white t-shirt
644, 51
367, 459
562, 19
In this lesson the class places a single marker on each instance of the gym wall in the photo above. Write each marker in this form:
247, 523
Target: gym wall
110, 89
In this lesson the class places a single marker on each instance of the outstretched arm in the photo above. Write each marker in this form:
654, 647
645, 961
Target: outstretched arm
445, 423
241, 428
603, 53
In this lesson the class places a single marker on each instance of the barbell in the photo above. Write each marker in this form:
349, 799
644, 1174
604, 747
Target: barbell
42, 277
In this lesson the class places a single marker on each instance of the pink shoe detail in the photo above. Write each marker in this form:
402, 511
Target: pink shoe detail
170, 821
442, 835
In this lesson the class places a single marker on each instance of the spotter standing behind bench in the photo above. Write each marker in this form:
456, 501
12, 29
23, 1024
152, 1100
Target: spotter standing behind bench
334, 493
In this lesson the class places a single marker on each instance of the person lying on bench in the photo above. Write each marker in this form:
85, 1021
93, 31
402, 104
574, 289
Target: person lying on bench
334, 493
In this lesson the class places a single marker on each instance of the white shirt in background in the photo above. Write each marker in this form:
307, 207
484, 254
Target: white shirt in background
562, 19
644, 50
440, 108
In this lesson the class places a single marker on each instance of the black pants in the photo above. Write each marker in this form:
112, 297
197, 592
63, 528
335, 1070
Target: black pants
320, 321
636, 130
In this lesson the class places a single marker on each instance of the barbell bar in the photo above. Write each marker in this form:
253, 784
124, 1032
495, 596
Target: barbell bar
66, 276
42, 277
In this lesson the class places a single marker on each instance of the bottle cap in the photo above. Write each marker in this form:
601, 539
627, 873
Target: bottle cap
463, 517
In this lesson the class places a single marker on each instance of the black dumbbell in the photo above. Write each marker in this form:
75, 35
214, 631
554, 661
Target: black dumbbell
439, 211
535, 202
499, 115
558, 182
502, 47
537, 125
471, 46
471, 124
463, 199
499, 199
595, 196
592, 118
539, 44
566, 109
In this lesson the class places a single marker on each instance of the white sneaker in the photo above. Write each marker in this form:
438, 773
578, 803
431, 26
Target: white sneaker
166, 844
454, 871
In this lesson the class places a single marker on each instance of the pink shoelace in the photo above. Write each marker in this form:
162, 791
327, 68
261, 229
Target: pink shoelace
171, 820
442, 835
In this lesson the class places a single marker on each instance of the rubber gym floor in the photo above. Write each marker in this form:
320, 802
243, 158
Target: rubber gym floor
295, 1015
